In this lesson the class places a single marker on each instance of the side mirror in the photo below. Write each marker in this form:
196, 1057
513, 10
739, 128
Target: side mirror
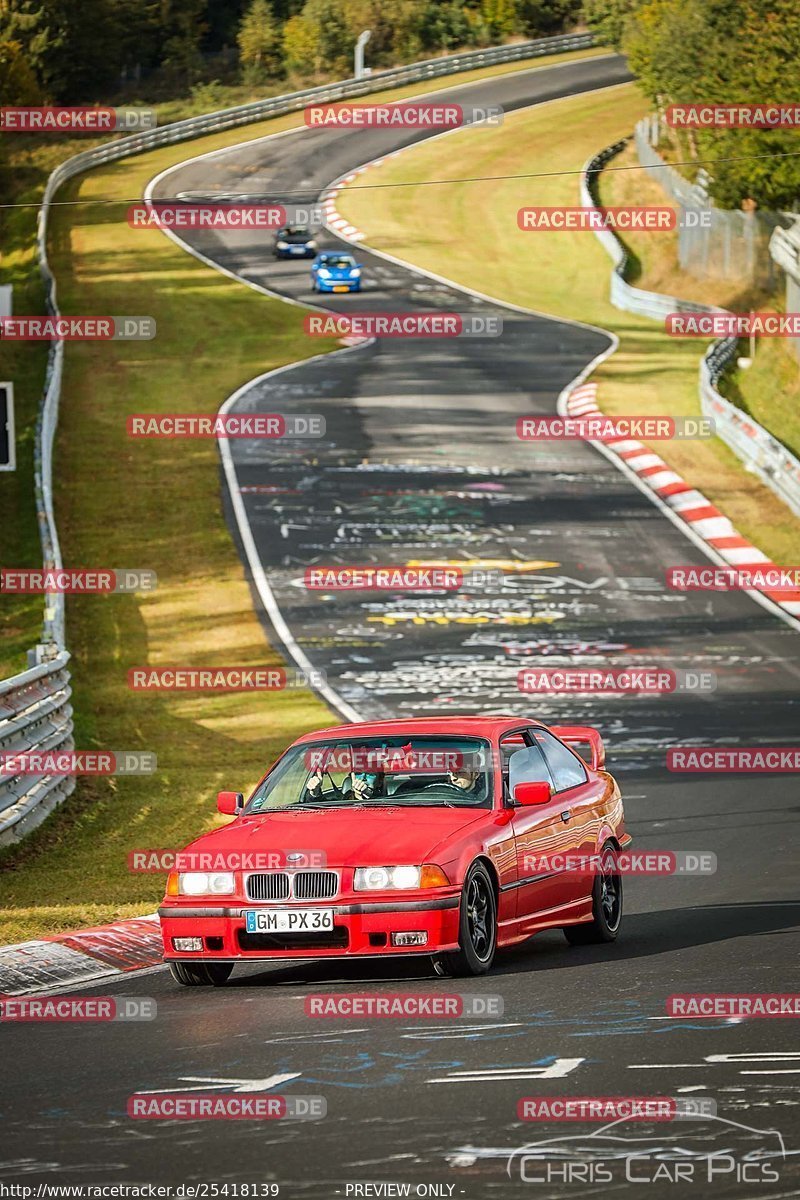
230, 803
532, 793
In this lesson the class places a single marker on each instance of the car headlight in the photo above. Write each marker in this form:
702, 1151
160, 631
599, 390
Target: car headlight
355, 274
312, 245
380, 879
282, 245
200, 883
324, 272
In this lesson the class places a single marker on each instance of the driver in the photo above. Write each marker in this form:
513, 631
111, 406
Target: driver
465, 779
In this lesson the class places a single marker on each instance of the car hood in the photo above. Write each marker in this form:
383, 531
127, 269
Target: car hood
362, 837
341, 272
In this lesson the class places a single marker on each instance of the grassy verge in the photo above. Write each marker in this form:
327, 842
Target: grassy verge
30, 161
447, 228
769, 390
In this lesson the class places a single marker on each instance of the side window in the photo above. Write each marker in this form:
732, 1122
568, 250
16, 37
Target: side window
526, 764
567, 770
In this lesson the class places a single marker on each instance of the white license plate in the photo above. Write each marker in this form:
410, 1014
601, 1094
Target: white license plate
288, 920
297, 249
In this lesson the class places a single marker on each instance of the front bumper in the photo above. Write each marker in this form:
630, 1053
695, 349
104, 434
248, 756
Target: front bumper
362, 928
339, 285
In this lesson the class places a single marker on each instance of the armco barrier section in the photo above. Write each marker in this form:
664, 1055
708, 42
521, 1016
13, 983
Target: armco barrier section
35, 714
776, 466
47, 722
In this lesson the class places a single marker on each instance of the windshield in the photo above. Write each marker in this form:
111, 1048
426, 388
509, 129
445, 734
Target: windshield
413, 772
339, 263
297, 234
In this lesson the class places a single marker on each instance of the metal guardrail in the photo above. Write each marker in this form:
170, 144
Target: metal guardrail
35, 714
34, 706
763, 454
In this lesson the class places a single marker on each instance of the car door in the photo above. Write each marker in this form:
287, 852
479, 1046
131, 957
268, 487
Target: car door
579, 794
540, 833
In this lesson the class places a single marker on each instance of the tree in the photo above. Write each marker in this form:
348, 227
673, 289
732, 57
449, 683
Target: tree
607, 19
500, 17
725, 52
318, 39
182, 26
17, 81
259, 42
300, 49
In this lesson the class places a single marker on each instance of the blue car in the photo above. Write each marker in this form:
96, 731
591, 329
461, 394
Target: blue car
333, 271
294, 241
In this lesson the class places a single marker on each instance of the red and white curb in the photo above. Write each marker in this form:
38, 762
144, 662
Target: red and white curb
690, 505
66, 959
333, 218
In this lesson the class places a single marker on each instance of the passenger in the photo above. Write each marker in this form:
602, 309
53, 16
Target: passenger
363, 785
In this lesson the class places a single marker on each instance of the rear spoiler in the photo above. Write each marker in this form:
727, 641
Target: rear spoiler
583, 735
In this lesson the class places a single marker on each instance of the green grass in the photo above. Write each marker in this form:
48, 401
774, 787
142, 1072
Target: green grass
769, 390
447, 228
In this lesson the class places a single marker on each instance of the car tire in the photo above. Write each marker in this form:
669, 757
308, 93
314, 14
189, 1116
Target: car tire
477, 928
200, 974
606, 904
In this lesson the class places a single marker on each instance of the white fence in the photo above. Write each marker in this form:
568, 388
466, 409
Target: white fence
46, 722
755, 446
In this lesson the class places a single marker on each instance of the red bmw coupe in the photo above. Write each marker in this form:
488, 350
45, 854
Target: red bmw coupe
449, 837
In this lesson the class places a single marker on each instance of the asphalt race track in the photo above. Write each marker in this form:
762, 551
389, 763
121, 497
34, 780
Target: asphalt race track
421, 461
